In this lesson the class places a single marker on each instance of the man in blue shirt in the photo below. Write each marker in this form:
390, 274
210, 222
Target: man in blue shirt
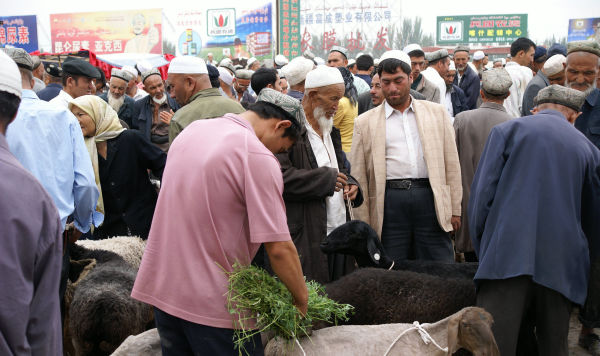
534, 221
54, 79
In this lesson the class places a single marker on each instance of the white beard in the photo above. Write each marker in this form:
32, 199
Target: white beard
115, 103
587, 92
325, 123
160, 101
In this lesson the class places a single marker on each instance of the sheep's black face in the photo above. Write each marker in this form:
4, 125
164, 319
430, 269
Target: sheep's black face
349, 238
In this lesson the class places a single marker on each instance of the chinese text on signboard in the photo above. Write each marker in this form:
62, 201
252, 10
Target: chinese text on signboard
19, 31
289, 28
480, 29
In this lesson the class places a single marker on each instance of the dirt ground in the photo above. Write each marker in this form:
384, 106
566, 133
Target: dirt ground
575, 327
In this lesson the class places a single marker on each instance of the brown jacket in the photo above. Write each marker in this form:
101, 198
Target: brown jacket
305, 188
439, 148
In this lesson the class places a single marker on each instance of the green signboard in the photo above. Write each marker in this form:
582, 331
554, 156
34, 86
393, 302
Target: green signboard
289, 28
480, 29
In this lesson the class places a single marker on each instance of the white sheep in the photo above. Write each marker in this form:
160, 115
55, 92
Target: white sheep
144, 344
131, 248
470, 328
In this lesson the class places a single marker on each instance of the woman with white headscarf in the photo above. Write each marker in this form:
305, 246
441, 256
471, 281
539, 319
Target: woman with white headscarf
121, 160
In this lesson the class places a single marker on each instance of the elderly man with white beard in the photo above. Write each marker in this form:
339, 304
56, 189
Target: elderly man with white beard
316, 182
116, 97
154, 112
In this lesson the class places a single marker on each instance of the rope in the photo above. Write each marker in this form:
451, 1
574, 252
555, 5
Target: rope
392, 266
300, 346
424, 336
349, 204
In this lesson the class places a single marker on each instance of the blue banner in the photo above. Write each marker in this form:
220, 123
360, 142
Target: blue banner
19, 31
584, 29
247, 22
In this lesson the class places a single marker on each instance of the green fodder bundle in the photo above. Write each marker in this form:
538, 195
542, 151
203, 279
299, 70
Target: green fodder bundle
254, 294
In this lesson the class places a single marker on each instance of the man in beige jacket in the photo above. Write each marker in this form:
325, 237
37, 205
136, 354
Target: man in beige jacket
404, 156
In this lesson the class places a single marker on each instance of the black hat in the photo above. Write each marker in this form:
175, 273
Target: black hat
53, 69
80, 67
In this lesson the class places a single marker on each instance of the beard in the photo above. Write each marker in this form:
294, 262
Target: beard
114, 102
160, 101
586, 91
325, 123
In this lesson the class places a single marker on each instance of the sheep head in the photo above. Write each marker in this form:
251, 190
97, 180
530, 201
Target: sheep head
471, 328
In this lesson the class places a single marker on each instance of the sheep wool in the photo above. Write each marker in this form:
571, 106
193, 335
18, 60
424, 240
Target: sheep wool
131, 248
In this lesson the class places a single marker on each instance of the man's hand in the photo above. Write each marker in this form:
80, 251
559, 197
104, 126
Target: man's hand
350, 191
165, 116
302, 307
455, 221
341, 181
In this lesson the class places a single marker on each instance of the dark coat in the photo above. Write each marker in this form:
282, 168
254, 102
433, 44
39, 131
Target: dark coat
470, 84
589, 121
534, 204
539, 82
459, 100
365, 103
306, 186
126, 111
144, 113
129, 197
49, 92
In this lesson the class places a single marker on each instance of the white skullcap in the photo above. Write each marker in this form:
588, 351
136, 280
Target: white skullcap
453, 67
144, 66
413, 47
319, 61
351, 62
296, 71
10, 77
555, 64
225, 75
187, 65
477, 56
131, 70
376, 62
396, 54
281, 60
323, 76
250, 61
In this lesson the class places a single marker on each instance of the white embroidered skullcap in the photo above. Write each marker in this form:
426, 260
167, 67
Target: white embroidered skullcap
296, 71
452, 66
555, 64
281, 60
477, 56
10, 77
131, 70
187, 65
323, 76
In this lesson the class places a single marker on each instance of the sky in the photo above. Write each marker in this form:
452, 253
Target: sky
545, 17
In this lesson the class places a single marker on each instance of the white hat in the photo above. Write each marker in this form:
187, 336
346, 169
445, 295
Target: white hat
144, 66
187, 65
555, 64
121, 74
251, 61
319, 61
281, 60
396, 54
10, 77
131, 70
452, 66
413, 47
225, 75
351, 62
296, 71
323, 76
477, 56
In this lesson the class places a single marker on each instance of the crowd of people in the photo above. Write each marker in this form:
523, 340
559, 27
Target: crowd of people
449, 158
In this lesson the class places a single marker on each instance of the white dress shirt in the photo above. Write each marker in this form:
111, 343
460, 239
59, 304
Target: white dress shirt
325, 155
403, 150
448, 105
433, 76
521, 76
63, 99
139, 94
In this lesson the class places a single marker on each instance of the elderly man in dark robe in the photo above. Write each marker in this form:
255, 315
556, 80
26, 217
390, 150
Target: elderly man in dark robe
316, 182
534, 221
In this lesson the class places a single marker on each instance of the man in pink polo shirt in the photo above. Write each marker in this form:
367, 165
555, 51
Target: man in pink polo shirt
221, 198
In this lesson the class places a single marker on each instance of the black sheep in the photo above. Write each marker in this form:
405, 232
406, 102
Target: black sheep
358, 239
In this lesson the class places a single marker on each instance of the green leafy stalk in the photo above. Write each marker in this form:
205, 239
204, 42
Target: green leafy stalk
254, 294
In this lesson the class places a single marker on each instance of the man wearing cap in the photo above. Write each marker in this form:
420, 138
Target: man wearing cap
122, 103
232, 205
419, 82
133, 89
404, 157
241, 84
455, 100
477, 63
78, 78
367, 101
581, 72
192, 90
466, 78
554, 69
472, 129
540, 80
316, 181
439, 61
154, 112
210, 59
53, 79
534, 241
521, 51
253, 64
31, 244
280, 61
38, 74
296, 72
338, 57
539, 58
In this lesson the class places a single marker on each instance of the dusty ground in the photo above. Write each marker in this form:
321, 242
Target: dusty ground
575, 327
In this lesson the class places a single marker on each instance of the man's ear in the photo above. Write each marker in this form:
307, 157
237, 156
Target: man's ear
283, 124
574, 117
270, 86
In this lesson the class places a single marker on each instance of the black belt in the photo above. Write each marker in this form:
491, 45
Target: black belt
407, 183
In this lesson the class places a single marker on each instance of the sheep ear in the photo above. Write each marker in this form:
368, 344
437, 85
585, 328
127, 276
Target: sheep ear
374, 252
453, 325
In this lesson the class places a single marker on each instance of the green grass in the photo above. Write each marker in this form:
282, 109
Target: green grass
254, 294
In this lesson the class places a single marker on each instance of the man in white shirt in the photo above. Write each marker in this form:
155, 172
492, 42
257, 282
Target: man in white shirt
521, 51
78, 79
439, 62
404, 157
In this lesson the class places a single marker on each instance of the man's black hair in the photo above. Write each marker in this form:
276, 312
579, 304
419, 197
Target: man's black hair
102, 78
67, 76
266, 110
521, 44
213, 75
263, 77
364, 62
9, 104
391, 65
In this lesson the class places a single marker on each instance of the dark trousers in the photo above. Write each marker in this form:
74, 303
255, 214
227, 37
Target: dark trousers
410, 226
590, 313
517, 303
180, 337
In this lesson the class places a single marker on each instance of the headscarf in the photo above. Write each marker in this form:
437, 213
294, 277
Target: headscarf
108, 126
349, 90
